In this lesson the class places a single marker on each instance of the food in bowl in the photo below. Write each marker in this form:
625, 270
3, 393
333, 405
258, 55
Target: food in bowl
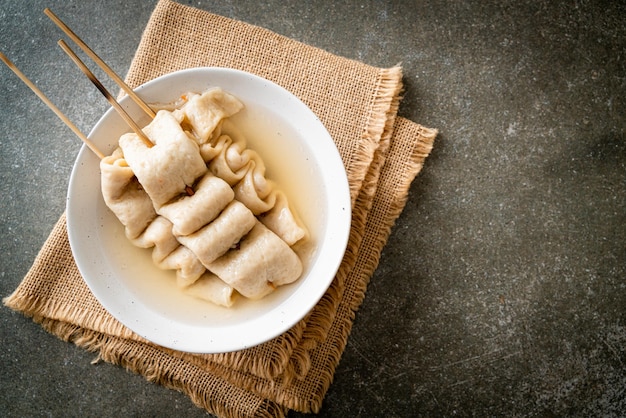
298, 153
199, 198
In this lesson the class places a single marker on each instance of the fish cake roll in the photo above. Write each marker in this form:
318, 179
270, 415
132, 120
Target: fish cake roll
262, 262
124, 195
183, 260
158, 235
167, 168
190, 213
205, 111
282, 221
211, 288
219, 236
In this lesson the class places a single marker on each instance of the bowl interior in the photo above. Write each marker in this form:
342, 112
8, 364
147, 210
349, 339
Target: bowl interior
299, 155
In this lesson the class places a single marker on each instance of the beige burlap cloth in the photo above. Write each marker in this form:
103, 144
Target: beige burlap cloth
382, 154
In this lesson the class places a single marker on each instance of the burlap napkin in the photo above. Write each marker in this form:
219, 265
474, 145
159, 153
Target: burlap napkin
382, 154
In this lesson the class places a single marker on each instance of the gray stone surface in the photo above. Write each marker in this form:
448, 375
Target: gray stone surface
502, 290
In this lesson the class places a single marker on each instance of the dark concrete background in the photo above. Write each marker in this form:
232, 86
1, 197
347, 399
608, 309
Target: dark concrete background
502, 290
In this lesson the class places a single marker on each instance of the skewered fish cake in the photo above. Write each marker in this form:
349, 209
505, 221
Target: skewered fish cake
120, 190
210, 284
124, 195
244, 170
190, 213
261, 264
215, 218
225, 232
167, 168
204, 112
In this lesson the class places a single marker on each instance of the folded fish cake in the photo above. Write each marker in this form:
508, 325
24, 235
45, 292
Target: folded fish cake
282, 221
203, 112
211, 288
158, 236
123, 194
261, 263
171, 165
190, 213
184, 261
217, 237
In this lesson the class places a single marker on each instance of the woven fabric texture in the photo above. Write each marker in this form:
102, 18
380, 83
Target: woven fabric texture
382, 154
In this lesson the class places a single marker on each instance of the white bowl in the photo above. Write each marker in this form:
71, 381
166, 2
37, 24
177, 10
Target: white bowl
299, 154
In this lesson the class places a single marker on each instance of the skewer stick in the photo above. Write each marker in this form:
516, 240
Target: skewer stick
51, 106
100, 62
106, 94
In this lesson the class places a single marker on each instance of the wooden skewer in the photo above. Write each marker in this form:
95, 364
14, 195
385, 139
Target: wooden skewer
51, 106
106, 94
100, 62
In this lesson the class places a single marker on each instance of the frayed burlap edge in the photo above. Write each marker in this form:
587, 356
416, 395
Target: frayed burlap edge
32, 294
205, 390
324, 313
311, 398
